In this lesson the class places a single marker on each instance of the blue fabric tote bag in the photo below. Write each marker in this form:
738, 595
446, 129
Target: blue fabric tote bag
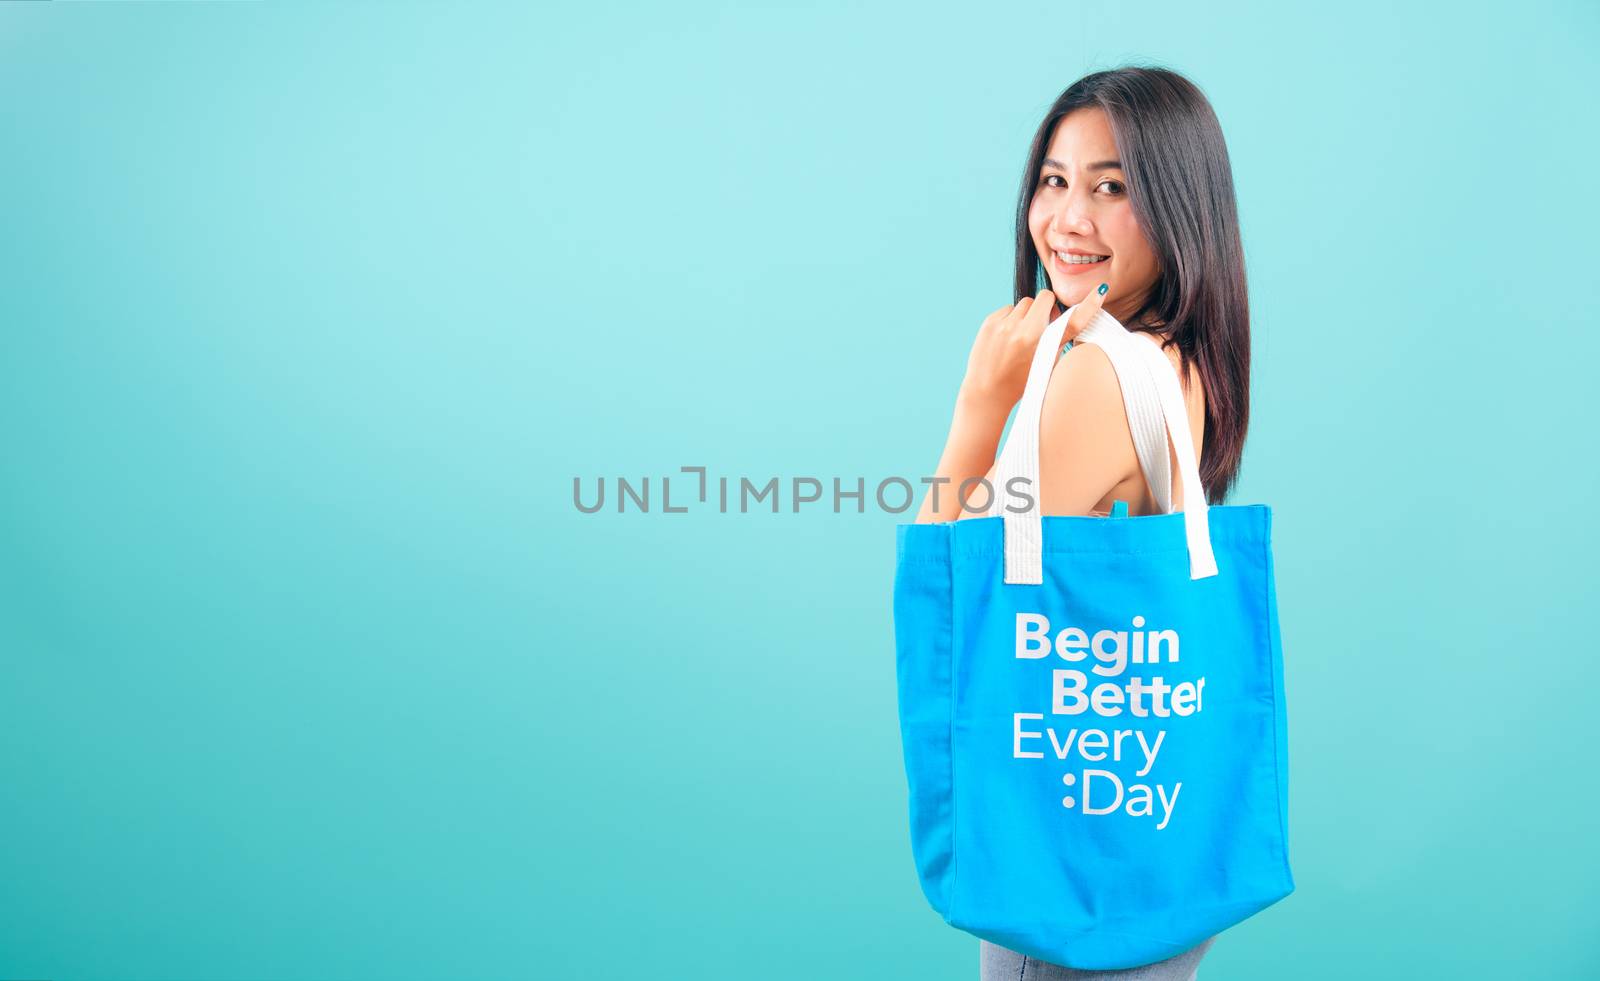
1092, 708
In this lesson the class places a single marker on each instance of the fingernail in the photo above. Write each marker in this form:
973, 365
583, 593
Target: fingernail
1103, 288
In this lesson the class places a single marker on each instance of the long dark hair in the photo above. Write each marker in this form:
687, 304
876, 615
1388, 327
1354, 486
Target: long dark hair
1181, 187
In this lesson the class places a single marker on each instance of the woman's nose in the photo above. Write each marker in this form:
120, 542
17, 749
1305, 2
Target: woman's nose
1070, 218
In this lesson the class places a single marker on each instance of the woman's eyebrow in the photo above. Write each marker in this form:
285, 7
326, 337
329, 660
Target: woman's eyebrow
1097, 165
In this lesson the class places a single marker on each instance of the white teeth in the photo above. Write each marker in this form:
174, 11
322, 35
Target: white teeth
1080, 260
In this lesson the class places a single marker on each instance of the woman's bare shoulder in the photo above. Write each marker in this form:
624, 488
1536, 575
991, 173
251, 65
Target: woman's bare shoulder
1085, 445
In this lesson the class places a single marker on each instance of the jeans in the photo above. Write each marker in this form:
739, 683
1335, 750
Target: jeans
997, 963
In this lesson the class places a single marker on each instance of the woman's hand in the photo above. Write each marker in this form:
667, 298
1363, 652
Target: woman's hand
997, 367
997, 372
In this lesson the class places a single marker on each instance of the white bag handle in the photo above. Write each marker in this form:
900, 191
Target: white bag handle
1154, 402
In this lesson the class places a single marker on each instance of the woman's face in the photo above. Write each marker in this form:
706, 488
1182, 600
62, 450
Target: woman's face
1081, 206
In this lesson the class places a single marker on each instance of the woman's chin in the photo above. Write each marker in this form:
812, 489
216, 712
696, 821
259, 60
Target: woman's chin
1069, 294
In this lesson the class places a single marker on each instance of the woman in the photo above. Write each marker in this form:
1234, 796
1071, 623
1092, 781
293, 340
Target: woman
1127, 204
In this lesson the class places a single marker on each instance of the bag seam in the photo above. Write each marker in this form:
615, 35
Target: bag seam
1179, 947
950, 738
1275, 652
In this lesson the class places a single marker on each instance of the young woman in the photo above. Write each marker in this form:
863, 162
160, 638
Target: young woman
1127, 203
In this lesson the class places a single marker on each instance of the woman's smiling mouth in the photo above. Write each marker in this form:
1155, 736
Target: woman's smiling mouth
1075, 262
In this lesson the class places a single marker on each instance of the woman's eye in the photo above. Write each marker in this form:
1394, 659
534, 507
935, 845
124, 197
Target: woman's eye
1115, 187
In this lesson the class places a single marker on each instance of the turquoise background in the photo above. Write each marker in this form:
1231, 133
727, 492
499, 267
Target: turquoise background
311, 314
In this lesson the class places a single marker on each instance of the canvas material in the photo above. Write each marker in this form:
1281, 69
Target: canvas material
998, 849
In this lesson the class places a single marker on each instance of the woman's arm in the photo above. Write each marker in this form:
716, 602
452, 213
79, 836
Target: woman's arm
997, 372
969, 452
1081, 415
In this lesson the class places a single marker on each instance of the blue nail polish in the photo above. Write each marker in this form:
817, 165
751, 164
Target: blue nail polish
1103, 288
